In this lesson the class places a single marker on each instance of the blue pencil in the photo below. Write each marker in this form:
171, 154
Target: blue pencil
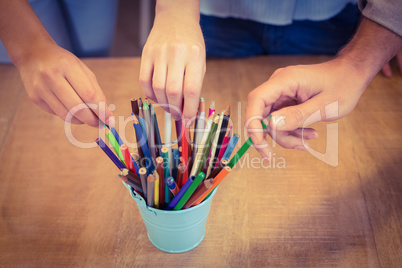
109, 153
176, 161
147, 155
231, 146
179, 195
116, 135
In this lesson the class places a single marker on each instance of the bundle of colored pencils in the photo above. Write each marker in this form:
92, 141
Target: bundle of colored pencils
177, 175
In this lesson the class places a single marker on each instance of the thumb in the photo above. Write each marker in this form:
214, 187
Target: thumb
292, 117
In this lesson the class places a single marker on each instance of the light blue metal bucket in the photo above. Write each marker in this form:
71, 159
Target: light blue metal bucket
174, 231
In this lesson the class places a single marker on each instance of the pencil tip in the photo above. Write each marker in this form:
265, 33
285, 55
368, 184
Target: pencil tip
212, 106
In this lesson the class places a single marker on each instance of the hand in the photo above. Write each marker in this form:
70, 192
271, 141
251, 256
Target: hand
386, 70
173, 60
57, 81
294, 93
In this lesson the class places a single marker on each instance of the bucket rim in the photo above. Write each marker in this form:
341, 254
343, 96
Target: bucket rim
139, 198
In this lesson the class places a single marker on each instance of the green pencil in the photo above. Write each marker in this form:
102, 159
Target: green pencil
193, 186
243, 149
166, 172
208, 144
115, 145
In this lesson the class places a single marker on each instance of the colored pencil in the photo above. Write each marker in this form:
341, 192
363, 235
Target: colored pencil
166, 172
193, 186
130, 175
201, 158
179, 195
158, 140
204, 186
116, 136
214, 146
216, 181
223, 147
231, 146
176, 161
109, 153
143, 177
171, 184
127, 157
147, 156
150, 190
168, 140
137, 187
199, 129
161, 173
156, 189
222, 131
150, 130
185, 153
211, 108
180, 172
243, 149
115, 146
201, 145
178, 125
218, 169
134, 107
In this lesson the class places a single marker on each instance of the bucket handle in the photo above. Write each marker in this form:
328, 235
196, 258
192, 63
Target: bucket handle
138, 198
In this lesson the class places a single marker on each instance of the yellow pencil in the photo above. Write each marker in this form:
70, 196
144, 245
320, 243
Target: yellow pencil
156, 189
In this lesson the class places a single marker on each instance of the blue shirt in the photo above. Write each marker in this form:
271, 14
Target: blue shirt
274, 12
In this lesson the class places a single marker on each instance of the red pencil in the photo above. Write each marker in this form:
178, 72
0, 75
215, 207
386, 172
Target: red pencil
159, 169
127, 158
224, 145
184, 153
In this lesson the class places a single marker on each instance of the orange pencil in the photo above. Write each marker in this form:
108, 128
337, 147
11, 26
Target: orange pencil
204, 186
216, 181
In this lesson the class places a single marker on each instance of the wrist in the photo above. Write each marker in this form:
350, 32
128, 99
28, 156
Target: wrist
19, 53
180, 9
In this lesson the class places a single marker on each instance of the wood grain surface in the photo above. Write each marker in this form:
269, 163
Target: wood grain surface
62, 205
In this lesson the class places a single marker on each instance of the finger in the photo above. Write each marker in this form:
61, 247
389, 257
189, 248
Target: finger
73, 103
259, 102
386, 70
194, 76
293, 117
174, 88
257, 134
104, 114
289, 140
306, 133
87, 89
159, 83
43, 105
399, 60
146, 73
51, 102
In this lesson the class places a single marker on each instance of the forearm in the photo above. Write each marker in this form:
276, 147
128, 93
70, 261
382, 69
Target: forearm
372, 46
20, 28
183, 9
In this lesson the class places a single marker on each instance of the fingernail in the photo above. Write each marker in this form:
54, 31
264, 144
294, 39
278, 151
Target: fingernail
301, 148
111, 121
188, 122
312, 136
279, 121
266, 160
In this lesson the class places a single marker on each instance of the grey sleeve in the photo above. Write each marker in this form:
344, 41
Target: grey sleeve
387, 13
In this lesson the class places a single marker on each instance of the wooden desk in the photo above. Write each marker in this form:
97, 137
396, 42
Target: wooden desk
64, 206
